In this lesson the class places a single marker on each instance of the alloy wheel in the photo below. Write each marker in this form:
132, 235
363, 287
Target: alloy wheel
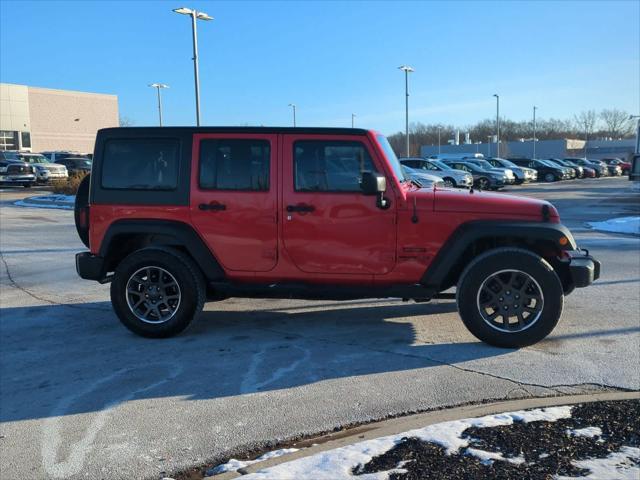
510, 301
153, 295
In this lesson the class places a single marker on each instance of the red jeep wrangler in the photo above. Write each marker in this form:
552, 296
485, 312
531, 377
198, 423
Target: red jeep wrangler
177, 216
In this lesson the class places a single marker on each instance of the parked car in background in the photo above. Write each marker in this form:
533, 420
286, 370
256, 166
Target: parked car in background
46, 170
450, 176
634, 173
76, 166
600, 169
578, 169
482, 179
546, 172
56, 156
625, 166
573, 173
425, 180
587, 172
16, 172
521, 174
482, 163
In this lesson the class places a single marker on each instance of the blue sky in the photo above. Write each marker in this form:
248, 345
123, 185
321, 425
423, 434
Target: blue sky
332, 58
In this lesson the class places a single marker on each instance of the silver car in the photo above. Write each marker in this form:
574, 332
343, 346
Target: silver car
522, 174
482, 163
450, 176
45, 170
425, 180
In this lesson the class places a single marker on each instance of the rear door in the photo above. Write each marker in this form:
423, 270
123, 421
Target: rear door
329, 226
234, 198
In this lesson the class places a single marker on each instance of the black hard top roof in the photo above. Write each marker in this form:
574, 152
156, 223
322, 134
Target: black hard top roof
227, 129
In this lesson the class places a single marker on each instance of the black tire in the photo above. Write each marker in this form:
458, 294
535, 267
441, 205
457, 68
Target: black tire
82, 201
449, 182
187, 276
484, 183
550, 177
483, 269
27, 185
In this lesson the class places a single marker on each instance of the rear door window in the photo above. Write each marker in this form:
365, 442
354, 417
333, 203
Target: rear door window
141, 164
235, 164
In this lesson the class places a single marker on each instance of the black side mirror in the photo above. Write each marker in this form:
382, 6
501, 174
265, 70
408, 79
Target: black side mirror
373, 183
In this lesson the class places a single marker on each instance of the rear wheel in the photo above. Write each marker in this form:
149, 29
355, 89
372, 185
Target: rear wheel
449, 182
156, 292
510, 297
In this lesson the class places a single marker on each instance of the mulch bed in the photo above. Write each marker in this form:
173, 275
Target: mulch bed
545, 446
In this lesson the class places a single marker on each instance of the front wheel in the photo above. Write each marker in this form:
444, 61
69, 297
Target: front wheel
510, 297
549, 177
156, 292
484, 183
448, 182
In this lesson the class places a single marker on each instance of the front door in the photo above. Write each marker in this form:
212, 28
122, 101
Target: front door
234, 198
329, 226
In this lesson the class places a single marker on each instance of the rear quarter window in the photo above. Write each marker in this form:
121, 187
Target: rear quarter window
141, 164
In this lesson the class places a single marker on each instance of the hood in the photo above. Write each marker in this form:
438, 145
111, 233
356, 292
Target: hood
463, 201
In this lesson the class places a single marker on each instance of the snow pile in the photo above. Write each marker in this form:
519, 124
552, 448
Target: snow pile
338, 464
234, 465
621, 465
618, 225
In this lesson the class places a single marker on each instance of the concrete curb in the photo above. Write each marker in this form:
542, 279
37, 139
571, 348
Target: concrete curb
395, 426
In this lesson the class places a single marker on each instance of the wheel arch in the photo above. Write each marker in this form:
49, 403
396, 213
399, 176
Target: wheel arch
475, 238
125, 236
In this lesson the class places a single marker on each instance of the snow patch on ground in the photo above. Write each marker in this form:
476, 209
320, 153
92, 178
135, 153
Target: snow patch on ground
64, 202
234, 465
618, 225
489, 457
589, 432
621, 465
338, 463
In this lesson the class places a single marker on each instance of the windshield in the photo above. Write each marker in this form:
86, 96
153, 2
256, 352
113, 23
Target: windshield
440, 164
506, 163
483, 164
391, 157
33, 158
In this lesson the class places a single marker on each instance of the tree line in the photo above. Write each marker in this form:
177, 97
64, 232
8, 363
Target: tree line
589, 124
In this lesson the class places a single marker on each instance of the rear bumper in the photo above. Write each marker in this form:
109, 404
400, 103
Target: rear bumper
89, 266
584, 269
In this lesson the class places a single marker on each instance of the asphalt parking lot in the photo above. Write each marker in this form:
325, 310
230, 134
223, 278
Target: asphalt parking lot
81, 397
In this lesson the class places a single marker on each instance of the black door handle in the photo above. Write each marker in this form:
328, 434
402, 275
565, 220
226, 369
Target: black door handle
300, 208
212, 206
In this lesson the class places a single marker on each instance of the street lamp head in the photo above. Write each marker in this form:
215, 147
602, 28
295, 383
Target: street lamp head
496, 95
406, 68
183, 11
292, 104
158, 85
203, 16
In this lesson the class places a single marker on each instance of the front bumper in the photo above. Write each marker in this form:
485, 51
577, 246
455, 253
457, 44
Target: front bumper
17, 179
90, 266
58, 175
583, 268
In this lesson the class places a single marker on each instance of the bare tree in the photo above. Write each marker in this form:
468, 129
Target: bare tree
586, 122
616, 122
126, 122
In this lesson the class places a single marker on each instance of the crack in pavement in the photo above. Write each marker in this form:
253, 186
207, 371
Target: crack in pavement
556, 388
17, 286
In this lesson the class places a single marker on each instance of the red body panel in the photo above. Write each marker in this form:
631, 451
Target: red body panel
347, 239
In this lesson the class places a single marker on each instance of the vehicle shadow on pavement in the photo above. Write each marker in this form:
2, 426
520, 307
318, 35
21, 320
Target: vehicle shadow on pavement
68, 359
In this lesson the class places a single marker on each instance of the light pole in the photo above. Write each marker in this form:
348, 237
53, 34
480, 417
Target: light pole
407, 69
631, 117
199, 16
293, 106
353, 120
489, 145
439, 128
497, 123
158, 86
534, 131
